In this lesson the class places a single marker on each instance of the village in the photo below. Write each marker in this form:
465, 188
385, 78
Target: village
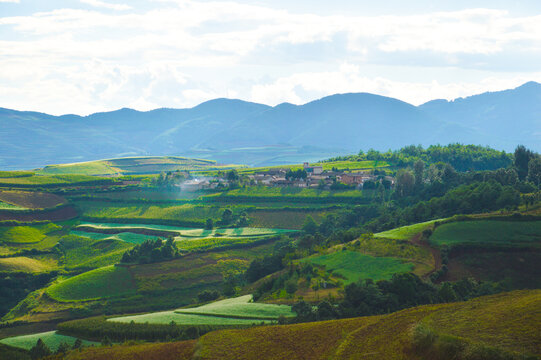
309, 176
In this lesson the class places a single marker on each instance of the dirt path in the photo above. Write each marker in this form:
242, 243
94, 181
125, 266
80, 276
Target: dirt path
417, 240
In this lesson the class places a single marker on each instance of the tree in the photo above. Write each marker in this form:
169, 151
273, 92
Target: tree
40, 350
310, 225
106, 341
522, 158
405, 182
209, 224
227, 216
418, 170
62, 348
77, 344
232, 175
534, 170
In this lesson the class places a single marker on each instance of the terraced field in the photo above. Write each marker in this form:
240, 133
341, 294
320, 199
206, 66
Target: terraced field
51, 338
23, 263
406, 232
354, 266
504, 325
30, 199
104, 282
26, 234
235, 311
82, 252
488, 232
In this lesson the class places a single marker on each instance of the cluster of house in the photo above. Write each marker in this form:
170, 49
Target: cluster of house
316, 178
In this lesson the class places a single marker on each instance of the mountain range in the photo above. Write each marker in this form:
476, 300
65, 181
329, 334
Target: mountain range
236, 131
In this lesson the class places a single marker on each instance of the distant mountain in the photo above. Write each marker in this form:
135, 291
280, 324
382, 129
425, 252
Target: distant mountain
243, 132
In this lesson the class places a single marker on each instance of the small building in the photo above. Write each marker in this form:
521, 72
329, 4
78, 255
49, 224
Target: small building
315, 170
354, 178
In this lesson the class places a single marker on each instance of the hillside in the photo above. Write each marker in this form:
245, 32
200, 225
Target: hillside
234, 131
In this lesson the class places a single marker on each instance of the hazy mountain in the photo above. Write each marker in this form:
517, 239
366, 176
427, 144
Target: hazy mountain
244, 132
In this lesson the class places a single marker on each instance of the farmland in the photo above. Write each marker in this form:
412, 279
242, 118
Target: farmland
22, 263
36, 180
31, 200
85, 253
100, 283
50, 338
511, 328
134, 165
405, 232
235, 311
26, 234
330, 165
487, 232
354, 266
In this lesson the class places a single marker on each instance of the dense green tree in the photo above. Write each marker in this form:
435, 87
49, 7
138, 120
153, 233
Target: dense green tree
40, 350
309, 226
405, 182
521, 160
418, 172
534, 170
209, 224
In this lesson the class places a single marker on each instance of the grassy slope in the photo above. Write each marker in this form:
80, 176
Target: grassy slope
405, 232
31, 199
487, 232
159, 351
240, 307
84, 252
103, 282
289, 193
26, 234
50, 338
165, 317
508, 321
355, 266
23, 263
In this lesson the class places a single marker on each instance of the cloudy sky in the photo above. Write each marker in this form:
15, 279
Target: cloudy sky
84, 56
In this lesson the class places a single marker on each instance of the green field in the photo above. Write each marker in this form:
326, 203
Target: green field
104, 282
405, 232
26, 234
124, 236
23, 263
235, 311
44, 180
240, 307
253, 194
84, 252
354, 266
489, 232
213, 243
134, 165
327, 166
50, 338
6, 206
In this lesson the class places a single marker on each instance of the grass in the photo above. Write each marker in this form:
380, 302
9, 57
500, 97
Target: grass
23, 263
487, 232
6, 206
182, 350
354, 266
84, 252
508, 321
31, 199
165, 317
213, 243
124, 236
286, 219
134, 165
41, 180
26, 234
287, 192
340, 165
405, 232
109, 281
240, 307
50, 338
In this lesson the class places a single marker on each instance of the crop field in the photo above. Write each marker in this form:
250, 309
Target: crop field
182, 350
420, 256
165, 317
354, 266
134, 165
6, 206
50, 338
184, 212
240, 307
289, 192
83, 252
23, 263
286, 219
235, 311
507, 322
44, 180
104, 282
124, 236
339, 165
405, 232
31, 199
26, 234
214, 243
489, 232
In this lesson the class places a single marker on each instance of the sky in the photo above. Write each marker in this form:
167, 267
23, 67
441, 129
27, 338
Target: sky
86, 56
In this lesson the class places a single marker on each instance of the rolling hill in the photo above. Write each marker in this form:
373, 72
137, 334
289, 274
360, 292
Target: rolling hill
235, 131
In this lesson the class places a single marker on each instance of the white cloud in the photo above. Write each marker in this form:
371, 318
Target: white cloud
106, 5
10, 1
179, 53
